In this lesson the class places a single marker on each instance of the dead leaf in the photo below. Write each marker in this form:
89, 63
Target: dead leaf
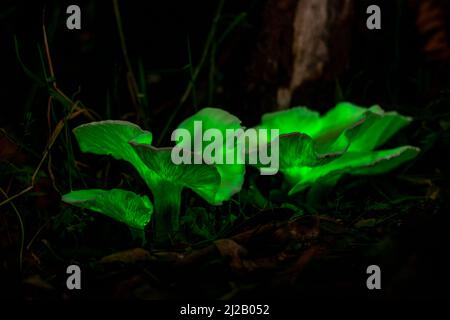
298, 230
304, 259
230, 249
169, 256
129, 256
38, 282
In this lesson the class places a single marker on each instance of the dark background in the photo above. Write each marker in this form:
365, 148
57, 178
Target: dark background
401, 67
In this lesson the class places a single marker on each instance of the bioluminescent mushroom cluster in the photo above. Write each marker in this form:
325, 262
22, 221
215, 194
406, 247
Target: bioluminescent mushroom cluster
313, 150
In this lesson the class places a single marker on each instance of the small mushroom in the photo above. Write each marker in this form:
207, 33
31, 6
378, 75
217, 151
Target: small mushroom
167, 183
231, 174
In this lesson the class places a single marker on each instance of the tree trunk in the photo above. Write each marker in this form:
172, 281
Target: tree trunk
302, 47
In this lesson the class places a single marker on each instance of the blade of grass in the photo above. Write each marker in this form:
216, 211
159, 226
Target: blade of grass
142, 83
52, 140
236, 21
212, 61
132, 83
212, 73
30, 74
197, 70
74, 111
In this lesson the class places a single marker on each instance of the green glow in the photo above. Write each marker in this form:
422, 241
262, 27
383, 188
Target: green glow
314, 149
169, 181
111, 137
356, 163
323, 148
167, 198
126, 141
231, 175
121, 205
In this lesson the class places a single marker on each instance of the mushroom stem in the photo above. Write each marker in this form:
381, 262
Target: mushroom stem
167, 200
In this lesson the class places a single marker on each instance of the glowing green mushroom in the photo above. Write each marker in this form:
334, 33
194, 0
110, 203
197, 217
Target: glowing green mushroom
355, 163
340, 142
126, 141
121, 205
231, 174
168, 181
111, 137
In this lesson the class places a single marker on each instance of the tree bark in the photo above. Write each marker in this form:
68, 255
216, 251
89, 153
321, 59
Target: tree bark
302, 43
